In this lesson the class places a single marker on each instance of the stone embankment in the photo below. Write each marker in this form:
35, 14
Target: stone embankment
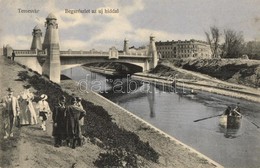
238, 71
168, 73
114, 136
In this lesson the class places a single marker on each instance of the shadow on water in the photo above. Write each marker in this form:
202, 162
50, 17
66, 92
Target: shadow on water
231, 130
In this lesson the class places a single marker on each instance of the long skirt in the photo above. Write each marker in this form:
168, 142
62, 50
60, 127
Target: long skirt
33, 116
25, 116
27, 113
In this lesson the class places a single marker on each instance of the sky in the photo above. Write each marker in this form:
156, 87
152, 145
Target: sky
136, 21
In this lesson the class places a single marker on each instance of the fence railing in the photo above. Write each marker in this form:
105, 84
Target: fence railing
100, 53
30, 53
83, 53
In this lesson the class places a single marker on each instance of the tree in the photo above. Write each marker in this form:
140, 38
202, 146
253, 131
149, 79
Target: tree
233, 44
252, 49
213, 40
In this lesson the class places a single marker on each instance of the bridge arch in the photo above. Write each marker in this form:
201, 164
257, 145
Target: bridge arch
120, 66
135, 65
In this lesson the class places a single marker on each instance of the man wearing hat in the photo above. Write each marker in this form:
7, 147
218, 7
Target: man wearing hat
44, 110
59, 122
73, 115
79, 99
11, 111
81, 121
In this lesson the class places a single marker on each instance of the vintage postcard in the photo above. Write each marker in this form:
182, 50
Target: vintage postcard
130, 83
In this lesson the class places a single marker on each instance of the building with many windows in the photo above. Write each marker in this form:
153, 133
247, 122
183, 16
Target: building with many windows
183, 49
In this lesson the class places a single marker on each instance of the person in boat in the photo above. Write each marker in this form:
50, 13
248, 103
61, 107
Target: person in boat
227, 111
236, 111
237, 108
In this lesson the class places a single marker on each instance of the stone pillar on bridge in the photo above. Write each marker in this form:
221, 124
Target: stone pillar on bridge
36, 42
153, 52
52, 65
126, 47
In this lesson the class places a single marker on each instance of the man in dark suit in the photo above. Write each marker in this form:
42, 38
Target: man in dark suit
73, 115
59, 122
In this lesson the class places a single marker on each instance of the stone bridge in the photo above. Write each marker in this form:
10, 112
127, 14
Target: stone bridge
138, 62
55, 60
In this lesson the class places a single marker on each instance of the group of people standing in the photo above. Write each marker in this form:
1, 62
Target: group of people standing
68, 120
18, 111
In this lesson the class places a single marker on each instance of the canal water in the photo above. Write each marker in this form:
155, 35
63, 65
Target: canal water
175, 113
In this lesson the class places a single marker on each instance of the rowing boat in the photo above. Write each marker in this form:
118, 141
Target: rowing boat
230, 121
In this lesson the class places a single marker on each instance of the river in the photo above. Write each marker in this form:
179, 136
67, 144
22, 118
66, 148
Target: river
175, 114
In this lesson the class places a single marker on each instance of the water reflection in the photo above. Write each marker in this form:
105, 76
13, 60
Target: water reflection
120, 87
175, 113
151, 98
229, 132
230, 126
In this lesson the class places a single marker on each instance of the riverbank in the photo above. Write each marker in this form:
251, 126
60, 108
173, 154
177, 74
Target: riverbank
238, 71
166, 74
111, 133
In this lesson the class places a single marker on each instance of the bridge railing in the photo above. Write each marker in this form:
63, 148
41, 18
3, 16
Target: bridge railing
132, 55
25, 52
30, 53
83, 53
101, 53
42, 52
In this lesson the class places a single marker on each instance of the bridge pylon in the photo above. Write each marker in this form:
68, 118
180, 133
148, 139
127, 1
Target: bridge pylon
52, 64
153, 52
36, 42
126, 47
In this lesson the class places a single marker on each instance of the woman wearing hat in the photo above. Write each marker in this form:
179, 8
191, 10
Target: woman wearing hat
44, 110
28, 114
11, 111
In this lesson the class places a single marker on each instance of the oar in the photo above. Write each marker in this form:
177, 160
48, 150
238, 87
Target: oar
257, 126
207, 118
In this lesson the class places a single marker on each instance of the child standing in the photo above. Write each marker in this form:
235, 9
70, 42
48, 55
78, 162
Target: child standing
44, 110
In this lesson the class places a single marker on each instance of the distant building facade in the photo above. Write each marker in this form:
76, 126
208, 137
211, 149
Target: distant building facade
183, 49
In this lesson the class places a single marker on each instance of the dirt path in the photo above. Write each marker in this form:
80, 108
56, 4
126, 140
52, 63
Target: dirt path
32, 147
36, 149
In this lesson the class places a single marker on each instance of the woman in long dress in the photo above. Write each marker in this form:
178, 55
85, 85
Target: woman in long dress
27, 114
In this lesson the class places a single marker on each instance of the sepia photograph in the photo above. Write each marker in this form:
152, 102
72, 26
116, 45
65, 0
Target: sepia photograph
130, 84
